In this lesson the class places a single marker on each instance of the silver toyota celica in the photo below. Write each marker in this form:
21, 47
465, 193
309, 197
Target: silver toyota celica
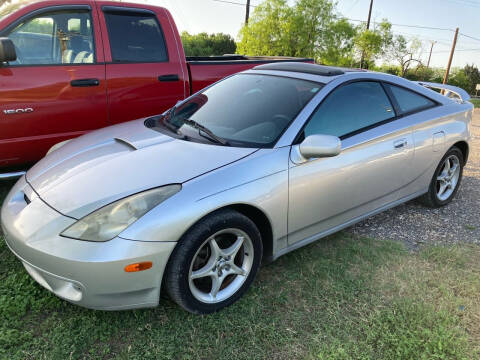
255, 166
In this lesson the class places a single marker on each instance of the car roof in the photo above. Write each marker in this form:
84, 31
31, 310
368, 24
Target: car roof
306, 68
327, 74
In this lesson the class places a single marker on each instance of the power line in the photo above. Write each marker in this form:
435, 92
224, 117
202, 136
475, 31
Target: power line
470, 37
465, 2
446, 51
410, 26
233, 3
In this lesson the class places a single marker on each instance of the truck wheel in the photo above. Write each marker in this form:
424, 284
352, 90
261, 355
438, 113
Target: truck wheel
214, 263
446, 180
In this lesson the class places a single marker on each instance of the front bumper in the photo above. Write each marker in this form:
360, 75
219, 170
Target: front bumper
88, 274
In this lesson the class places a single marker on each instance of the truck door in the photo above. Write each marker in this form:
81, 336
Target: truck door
144, 70
56, 88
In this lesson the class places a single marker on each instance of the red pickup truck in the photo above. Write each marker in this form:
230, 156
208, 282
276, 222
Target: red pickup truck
67, 67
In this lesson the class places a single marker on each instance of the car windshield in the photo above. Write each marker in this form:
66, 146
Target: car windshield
245, 110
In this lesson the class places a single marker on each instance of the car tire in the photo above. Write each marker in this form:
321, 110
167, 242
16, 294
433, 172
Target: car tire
210, 253
435, 198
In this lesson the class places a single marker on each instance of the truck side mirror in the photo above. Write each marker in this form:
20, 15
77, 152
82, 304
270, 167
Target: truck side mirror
7, 50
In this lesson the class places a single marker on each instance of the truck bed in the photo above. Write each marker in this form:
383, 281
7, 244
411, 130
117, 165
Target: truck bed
204, 70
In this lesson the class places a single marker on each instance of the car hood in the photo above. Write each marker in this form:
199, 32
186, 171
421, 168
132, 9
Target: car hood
108, 164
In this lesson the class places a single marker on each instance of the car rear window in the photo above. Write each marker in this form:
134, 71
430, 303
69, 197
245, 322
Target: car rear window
409, 101
135, 37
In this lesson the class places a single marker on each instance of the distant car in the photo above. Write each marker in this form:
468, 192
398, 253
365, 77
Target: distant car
255, 166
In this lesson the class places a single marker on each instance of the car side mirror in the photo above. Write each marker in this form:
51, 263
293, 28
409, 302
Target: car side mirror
316, 146
7, 50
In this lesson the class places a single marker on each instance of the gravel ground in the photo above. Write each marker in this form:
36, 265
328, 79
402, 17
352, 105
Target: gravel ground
416, 225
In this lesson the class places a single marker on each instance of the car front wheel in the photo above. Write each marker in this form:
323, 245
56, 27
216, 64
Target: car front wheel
214, 263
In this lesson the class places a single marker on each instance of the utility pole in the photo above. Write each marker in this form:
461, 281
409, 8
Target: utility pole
445, 79
247, 13
430, 56
368, 27
369, 14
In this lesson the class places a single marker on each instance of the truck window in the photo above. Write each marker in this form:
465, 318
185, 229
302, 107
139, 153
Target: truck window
62, 37
135, 37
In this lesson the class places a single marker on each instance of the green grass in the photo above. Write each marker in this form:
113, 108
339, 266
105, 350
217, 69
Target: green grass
476, 102
340, 298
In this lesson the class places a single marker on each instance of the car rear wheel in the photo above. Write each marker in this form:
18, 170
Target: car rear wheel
214, 263
446, 180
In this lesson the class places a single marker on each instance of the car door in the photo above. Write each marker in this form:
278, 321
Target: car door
144, 71
55, 89
429, 130
372, 170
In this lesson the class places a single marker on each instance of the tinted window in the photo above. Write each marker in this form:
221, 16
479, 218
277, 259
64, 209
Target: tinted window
135, 37
409, 101
350, 108
245, 110
64, 37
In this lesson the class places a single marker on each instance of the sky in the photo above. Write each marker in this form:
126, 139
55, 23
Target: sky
211, 16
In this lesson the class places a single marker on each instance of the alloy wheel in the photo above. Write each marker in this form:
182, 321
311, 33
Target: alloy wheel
221, 266
447, 179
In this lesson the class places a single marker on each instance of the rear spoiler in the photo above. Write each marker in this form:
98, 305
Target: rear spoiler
452, 92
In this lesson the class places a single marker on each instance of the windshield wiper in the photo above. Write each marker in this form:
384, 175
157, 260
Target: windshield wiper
206, 130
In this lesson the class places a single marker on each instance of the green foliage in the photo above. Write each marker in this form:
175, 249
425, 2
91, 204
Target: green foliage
466, 78
459, 78
338, 48
373, 43
204, 44
388, 68
269, 31
473, 75
310, 28
475, 102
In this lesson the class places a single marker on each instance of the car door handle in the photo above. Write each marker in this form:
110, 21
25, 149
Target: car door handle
85, 82
400, 144
169, 77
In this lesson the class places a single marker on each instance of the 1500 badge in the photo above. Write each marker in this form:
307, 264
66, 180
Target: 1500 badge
18, 111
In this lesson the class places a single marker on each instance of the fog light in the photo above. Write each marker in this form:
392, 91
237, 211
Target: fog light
138, 266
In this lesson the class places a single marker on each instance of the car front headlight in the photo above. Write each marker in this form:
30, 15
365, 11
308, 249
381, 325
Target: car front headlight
107, 222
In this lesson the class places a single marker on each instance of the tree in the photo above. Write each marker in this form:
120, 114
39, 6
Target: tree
338, 46
204, 44
473, 75
405, 53
310, 28
269, 31
372, 43
459, 78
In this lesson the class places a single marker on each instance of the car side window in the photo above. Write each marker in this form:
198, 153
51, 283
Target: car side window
409, 101
135, 37
350, 108
54, 38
